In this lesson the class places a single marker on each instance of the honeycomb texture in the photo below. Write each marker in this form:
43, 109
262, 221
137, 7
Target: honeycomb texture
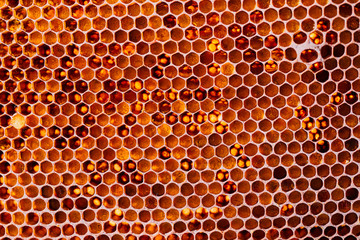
179, 120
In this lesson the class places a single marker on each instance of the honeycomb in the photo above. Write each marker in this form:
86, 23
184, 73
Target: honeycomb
179, 120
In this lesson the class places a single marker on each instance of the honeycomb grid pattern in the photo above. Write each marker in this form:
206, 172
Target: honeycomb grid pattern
169, 120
